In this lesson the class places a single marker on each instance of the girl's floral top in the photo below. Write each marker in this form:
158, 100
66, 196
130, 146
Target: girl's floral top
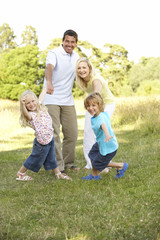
43, 127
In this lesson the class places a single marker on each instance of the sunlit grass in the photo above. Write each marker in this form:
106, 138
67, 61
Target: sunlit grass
46, 209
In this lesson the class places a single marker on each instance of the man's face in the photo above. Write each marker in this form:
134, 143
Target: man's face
69, 44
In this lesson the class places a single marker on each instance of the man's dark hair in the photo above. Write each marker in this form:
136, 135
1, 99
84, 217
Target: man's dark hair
70, 33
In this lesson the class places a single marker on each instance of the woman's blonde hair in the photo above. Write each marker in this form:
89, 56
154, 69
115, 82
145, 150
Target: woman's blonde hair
80, 81
96, 98
40, 107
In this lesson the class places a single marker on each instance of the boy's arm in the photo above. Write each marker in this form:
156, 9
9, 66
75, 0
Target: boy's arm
105, 130
42, 95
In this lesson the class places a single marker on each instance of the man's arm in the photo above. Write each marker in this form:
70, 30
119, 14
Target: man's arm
48, 76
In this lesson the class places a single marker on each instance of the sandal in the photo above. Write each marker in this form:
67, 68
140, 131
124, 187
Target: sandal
62, 176
23, 177
120, 173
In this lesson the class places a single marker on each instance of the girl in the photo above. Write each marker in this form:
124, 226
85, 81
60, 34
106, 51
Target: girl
106, 146
89, 82
34, 114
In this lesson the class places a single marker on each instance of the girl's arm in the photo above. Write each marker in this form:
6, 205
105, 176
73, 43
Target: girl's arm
42, 95
97, 85
105, 130
25, 111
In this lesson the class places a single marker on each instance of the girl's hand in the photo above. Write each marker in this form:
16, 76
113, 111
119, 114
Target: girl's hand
108, 138
23, 101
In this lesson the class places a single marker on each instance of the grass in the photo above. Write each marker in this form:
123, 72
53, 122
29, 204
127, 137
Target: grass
47, 209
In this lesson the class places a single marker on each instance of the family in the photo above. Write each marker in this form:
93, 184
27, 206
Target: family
55, 110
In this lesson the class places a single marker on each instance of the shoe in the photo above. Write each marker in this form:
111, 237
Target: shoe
120, 173
91, 177
23, 177
61, 175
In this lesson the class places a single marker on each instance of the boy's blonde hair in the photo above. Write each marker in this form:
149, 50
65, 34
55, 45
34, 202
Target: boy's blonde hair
96, 98
80, 81
22, 119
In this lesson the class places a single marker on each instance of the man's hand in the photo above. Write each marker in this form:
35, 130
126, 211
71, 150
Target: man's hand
49, 88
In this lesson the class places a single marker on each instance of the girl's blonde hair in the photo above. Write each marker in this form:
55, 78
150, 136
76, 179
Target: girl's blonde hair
96, 98
40, 107
80, 81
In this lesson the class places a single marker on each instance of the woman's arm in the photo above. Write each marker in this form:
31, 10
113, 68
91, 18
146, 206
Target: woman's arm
97, 85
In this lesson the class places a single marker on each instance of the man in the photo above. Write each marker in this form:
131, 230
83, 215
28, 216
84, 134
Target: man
59, 79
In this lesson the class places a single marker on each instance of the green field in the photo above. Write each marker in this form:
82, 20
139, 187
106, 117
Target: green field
109, 209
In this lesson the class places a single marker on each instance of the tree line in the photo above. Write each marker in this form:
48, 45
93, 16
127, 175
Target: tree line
22, 66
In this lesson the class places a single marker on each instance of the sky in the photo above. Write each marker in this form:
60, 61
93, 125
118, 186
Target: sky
133, 24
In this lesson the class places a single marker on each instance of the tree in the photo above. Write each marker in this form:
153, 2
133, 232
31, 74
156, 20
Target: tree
29, 36
7, 38
145, 72
114, 65
21, 69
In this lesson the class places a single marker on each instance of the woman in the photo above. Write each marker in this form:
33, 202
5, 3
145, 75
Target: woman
89, 81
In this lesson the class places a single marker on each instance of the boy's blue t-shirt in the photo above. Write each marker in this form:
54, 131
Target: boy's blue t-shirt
104, 147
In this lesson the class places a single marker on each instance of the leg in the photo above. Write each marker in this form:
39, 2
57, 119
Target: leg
121, 168
109, 108
70, 133
89, 139
95, 172
54, 112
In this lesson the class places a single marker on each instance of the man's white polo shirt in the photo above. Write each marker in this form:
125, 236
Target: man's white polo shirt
63, 76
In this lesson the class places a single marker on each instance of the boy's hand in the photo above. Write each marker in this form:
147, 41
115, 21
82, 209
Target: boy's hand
108, 138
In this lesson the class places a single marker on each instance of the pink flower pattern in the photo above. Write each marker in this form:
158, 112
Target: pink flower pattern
42, 126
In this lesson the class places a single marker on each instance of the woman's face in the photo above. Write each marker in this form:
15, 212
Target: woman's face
83, 70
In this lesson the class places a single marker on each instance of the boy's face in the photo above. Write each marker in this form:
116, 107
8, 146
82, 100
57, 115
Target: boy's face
69, 43
93, 108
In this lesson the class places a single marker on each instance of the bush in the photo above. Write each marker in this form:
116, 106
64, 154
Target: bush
149, 88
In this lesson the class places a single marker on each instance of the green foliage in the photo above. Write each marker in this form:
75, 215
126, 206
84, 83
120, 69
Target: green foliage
29, 36
7, 38
115, 66
143, 112
24, 67
145, 74
20, 69
147, 88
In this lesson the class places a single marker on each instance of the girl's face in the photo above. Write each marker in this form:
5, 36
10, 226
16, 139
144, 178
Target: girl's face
83, 71
31, 103
93, 108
